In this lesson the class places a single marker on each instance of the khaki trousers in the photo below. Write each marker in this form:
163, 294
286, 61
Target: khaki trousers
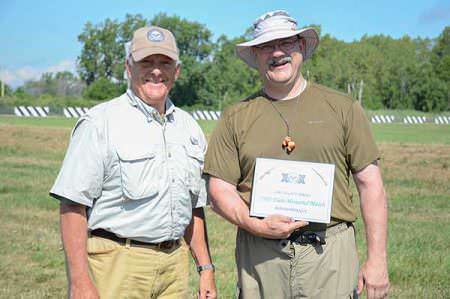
121, 271
275, 269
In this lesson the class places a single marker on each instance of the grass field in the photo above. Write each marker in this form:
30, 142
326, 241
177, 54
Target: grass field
416, 169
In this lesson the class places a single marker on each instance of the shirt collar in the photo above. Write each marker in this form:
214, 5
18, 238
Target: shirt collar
150, 112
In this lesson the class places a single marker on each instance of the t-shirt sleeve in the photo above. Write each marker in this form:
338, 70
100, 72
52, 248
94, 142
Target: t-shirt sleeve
360, 143
80, 179
222, 159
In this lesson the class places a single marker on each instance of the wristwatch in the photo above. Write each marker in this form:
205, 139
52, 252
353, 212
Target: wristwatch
205, 267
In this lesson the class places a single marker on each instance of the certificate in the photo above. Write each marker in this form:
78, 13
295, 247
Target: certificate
301, 190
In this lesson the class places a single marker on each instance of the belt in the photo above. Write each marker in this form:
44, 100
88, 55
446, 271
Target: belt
317, 237
134, 243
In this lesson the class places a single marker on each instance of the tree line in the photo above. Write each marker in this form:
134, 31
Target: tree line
385, 73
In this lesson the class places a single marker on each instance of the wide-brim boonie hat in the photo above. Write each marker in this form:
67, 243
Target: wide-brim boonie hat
272, 26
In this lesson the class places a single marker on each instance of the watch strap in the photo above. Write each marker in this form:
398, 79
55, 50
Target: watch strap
205, 267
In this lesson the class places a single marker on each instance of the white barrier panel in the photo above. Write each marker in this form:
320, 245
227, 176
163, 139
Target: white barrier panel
195, 115
76, 112
205, 115
30, 111
442, 120
382, 119
208, 115
414, 119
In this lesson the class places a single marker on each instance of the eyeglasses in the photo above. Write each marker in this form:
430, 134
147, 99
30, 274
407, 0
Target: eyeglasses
284, 45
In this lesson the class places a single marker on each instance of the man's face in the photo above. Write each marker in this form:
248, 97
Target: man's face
279, 60
153, 77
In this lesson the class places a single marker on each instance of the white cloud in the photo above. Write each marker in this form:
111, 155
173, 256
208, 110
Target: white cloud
65, 65
27, 73
17, 77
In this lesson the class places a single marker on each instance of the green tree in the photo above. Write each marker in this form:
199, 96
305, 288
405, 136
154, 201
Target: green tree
55, 84
193, 38
99, 51
20, 93
194, 43
441, 55
431, 93
440, 60
7, 89
103, 53
228, 78
103, 89
402, 73
393, 71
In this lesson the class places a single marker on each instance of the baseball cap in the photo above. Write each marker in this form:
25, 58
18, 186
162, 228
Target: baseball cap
153, 40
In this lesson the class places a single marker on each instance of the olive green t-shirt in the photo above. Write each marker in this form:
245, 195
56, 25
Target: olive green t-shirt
326, 126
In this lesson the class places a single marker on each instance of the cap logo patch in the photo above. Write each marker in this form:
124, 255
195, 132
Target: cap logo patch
155, 35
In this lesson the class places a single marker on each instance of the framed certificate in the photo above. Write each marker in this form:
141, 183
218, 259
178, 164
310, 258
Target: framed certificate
301, 190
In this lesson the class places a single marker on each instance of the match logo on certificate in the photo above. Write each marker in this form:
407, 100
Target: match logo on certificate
298, 189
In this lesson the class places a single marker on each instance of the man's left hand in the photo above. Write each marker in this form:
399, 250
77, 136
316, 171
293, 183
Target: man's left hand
207, 289
374, 276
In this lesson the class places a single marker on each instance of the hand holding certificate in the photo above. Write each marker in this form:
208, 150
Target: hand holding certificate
301, 190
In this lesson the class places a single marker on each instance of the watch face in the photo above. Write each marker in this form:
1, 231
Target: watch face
205, 267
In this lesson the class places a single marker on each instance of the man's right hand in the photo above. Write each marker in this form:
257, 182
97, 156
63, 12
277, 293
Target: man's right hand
278, 226
83, 290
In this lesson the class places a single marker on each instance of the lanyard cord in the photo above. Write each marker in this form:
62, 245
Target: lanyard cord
288, 144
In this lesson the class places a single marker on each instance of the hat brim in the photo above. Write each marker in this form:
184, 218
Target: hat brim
140, 54
245, 52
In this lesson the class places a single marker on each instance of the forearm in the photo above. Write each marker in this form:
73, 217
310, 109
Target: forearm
197, 238
374, 210
375, 216
74, 237
227, 203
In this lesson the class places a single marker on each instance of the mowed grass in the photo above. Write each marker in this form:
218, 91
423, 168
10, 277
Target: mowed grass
396, 132
57, 122
416, 170
420, 134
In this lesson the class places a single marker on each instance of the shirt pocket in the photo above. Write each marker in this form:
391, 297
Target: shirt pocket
138, 172
196, 160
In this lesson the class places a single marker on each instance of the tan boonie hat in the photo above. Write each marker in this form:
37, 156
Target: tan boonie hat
153, 40
274, 25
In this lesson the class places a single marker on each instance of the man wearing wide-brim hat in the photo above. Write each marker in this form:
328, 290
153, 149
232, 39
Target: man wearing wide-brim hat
131, 188
292, 120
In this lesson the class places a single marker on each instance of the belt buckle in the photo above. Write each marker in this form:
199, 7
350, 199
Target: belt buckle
165, 245
313, 238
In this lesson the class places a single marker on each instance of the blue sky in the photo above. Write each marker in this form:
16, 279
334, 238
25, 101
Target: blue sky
41, 36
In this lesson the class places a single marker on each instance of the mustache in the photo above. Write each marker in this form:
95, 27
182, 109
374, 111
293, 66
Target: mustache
277, 61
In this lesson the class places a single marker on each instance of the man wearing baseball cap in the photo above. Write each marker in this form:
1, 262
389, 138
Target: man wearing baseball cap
131, 187
291, 119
